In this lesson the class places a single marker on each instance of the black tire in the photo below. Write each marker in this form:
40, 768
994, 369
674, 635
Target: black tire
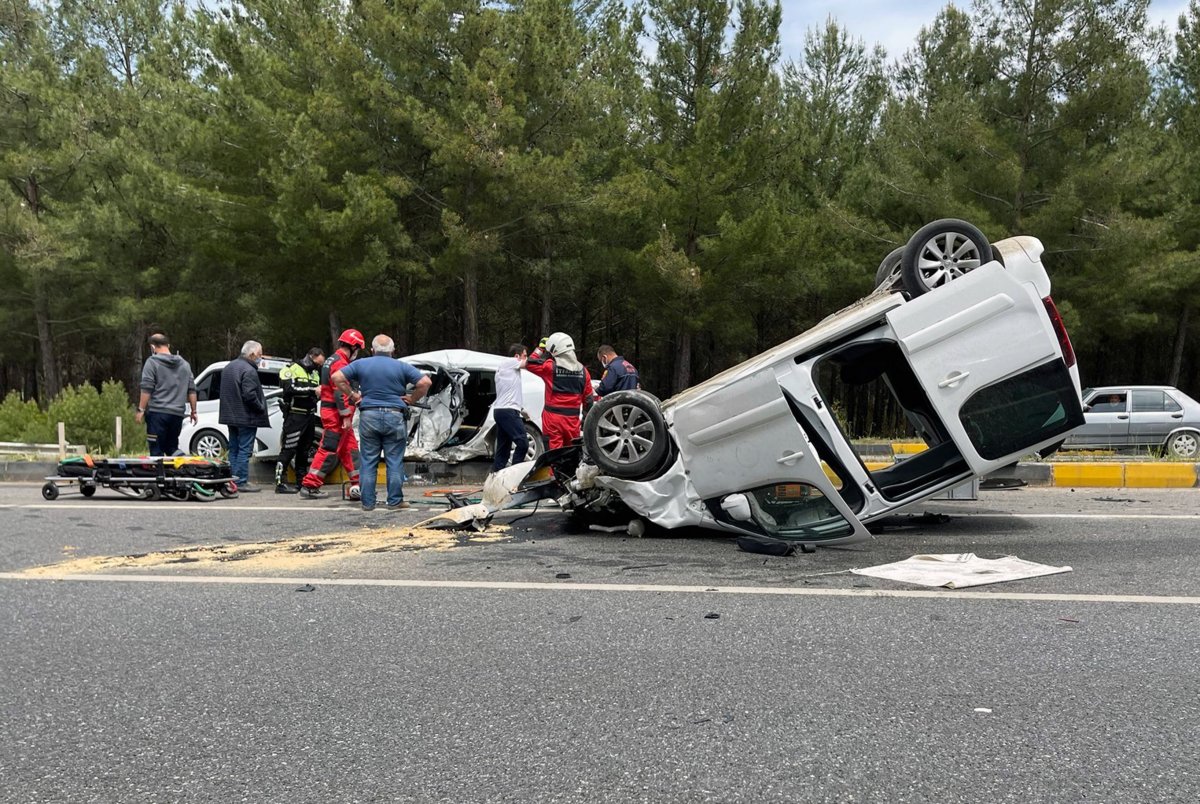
153, 493
50, 492
87, 489
626, 435
889, 268
940, 252
1184, 444
536, 445
209, 444
227, 490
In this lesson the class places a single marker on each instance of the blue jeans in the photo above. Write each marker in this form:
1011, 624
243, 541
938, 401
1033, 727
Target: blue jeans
382, 430
511, 438
241, 447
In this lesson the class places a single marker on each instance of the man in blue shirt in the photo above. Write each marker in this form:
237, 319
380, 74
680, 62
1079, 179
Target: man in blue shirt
619, 373
382, 399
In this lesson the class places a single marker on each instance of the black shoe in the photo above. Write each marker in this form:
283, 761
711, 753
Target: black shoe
248, 489
307, 493
284, 488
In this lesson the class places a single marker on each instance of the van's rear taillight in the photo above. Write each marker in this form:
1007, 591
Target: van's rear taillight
1064, 340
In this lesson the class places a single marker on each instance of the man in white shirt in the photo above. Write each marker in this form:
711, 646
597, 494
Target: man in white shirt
511, 441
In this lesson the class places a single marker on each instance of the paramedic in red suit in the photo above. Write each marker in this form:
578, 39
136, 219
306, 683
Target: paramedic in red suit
338, 444
568, 387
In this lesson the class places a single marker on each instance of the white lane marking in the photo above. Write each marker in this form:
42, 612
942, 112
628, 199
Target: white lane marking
216, 506
618, 587
147, 506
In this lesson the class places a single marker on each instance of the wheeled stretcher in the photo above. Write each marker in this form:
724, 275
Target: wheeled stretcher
178, 478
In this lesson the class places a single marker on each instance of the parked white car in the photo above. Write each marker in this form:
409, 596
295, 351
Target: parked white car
209, 438
963, 337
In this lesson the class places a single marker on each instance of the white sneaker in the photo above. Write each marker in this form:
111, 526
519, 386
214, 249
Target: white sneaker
355, 492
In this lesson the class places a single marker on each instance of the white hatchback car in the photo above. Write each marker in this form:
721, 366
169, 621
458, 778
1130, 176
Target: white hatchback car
964, 339
455, 422
209, 438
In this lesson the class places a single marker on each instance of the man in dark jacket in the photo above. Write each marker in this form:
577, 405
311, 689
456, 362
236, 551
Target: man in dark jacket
619, 374
167, 383
243, 410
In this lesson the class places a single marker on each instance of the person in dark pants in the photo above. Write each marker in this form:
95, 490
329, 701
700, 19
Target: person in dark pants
301, 382
243, 410
167, 383
382, 400
511, 438
619, 374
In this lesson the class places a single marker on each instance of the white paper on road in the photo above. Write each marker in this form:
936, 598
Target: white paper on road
958, 570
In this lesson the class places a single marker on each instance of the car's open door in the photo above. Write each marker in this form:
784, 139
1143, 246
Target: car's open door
745, 438
985, 352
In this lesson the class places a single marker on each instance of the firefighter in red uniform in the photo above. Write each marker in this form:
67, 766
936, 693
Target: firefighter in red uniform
338, 444
568, 387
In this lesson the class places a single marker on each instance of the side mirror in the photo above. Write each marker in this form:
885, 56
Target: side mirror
738, 507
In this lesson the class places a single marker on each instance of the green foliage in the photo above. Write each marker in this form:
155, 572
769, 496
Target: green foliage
90, 418
23, 421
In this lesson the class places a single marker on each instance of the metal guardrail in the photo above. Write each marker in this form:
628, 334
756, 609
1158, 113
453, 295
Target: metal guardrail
52, 450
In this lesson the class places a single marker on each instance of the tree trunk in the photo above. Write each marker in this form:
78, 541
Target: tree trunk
1181, 330
544, 321
335, 327
51, 381
683, 361
135, 360
471, 308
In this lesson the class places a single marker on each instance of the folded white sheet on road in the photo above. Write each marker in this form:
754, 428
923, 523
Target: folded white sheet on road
958, 570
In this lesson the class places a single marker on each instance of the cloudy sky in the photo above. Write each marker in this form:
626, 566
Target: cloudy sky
894, 23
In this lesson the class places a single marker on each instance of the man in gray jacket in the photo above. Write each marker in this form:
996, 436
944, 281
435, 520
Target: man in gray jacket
167, 384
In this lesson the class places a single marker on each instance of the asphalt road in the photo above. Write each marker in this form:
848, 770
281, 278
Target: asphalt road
466, 669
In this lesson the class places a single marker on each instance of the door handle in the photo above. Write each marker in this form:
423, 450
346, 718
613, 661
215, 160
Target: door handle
1123, 416
953, 378
1176, 415
790, 459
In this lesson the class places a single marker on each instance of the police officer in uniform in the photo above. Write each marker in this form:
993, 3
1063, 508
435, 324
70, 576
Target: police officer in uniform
301, 383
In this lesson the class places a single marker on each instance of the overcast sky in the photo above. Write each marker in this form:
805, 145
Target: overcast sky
895, 23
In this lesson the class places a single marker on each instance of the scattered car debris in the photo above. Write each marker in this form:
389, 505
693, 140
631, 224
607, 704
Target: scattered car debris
765, 545
563, 575
712, 615
308, 587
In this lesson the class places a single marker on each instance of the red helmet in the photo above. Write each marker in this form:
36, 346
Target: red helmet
352, 337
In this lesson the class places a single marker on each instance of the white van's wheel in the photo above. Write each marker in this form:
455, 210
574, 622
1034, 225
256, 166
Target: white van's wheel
626, 435
940, 252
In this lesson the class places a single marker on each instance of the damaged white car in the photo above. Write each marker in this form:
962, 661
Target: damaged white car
454, 422
961, 333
